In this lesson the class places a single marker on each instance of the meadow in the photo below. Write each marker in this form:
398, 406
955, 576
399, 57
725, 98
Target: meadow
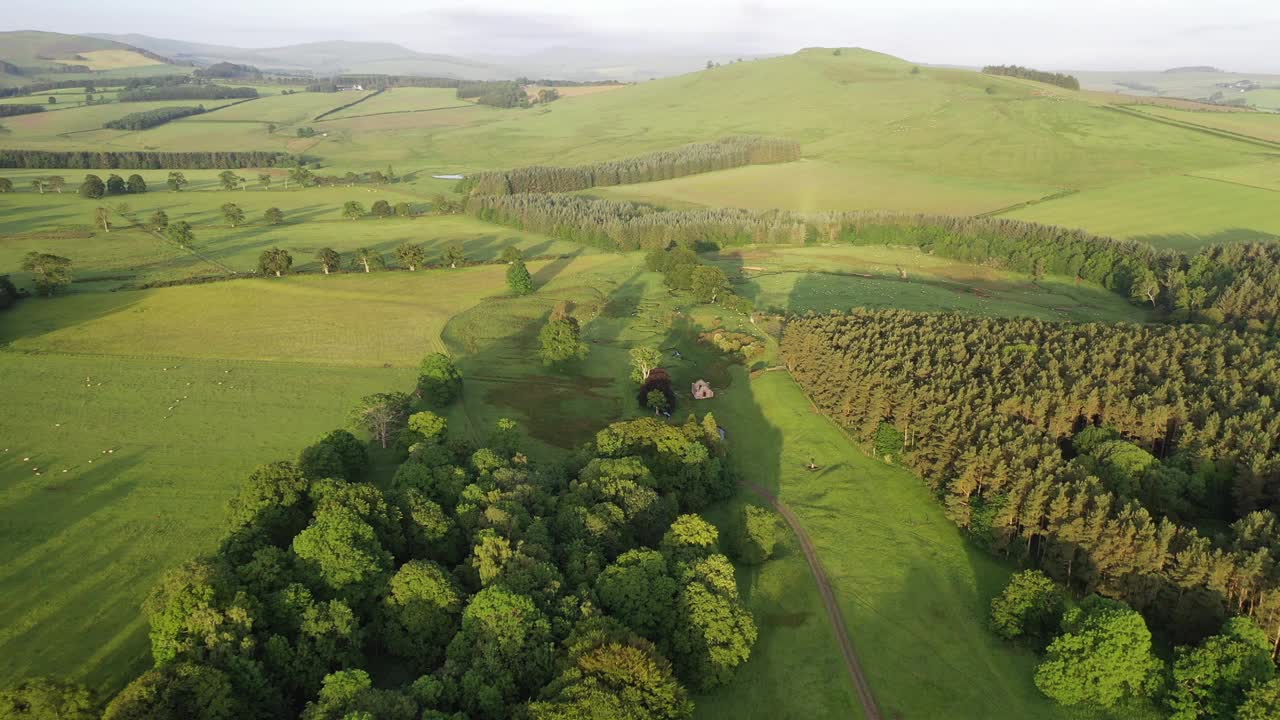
1182, 212
1264, 126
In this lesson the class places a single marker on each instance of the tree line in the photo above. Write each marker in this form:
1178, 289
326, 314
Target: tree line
12, 110
729, 152
500, 587
1089, 450
498, 93
152, 118
193, 91
1060, 79
1237, 284
142, 159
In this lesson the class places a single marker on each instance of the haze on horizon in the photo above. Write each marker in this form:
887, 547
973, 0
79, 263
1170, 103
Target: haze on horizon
1234, 35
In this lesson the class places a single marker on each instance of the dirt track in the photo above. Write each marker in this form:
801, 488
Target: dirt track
869, 709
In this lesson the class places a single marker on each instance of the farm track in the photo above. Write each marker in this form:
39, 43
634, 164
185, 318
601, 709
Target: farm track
856, 676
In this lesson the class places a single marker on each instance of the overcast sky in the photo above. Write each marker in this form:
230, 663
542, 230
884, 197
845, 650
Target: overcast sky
1239, 35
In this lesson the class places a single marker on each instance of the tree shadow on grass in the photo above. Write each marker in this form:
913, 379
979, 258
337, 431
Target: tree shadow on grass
1189, 242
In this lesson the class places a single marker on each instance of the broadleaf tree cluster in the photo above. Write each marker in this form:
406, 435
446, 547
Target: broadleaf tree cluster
1060, 79
193, 91
503, 588
152, 118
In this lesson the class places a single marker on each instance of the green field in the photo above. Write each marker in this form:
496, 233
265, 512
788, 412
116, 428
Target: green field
1182, 211
1264, 126
398, 100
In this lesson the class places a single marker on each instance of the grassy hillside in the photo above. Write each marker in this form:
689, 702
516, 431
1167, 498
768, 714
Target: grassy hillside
35, 49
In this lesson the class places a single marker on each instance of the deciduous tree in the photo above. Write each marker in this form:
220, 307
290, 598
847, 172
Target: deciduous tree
136, 185
233, 214
439, 382
176, 181
329, 259
411, 255
352, 210
1030, 606
274, 216
92, 187
275, 261
49, 272
1102, 657
382, 414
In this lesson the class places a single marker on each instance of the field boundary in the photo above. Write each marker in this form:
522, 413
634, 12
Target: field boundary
1028, 203
1185, 125
398, 112
353, 103
857, 677
1231, 182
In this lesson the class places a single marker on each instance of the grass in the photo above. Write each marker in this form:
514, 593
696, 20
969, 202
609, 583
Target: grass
811, 185
833, 278
111, 59
81, 128
1265, 126
398, 100
83, 547
1181, 212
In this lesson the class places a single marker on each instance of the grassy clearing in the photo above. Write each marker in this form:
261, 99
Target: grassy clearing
913, 593
810, 186
1180, 212
834, 278
795, 669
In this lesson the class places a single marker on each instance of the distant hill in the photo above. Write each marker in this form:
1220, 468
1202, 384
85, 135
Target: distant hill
1195, 69
323, 58
34, 53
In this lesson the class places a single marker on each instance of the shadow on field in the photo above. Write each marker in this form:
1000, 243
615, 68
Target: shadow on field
549, 271
1190, 242
34, 316
55, 525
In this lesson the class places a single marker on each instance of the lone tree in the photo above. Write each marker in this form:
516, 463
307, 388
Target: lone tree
40, 183
56, 183
518, 278
159, 220
656, 400
49, 272
102, 218
380, 209
439, 382
352, 209
510, 254
382, 414
299, 175
368, 259
136, 185
411, 256
180, 232
228, 179
453, 255
658, 380
756, 535
274, 216
92, 187
176, 181
233, 214
560, 339
329, 259
404, 209
643, 361
707, 283
264, 179
275, 261
6, 185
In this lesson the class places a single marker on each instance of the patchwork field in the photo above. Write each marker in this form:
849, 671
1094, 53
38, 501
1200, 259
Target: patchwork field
1264, 126
398, 100
111, 59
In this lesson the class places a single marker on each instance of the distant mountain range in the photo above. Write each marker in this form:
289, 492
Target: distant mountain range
328, 58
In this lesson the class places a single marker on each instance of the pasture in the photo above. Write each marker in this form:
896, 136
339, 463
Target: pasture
812, 185
400, 100
1182, 212
110, 59
1261, 125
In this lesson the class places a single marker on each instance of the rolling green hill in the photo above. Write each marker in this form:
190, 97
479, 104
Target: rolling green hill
34, 50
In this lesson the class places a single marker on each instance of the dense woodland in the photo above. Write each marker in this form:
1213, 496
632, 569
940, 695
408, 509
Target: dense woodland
228, 70
12, 110
496, 586
142, 159
1237, 284
193, 91
1060, 79
691, 159
498, 93
1090, 450
152, 118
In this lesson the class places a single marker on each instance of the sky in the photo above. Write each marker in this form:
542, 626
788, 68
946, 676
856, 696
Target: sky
1237, 35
